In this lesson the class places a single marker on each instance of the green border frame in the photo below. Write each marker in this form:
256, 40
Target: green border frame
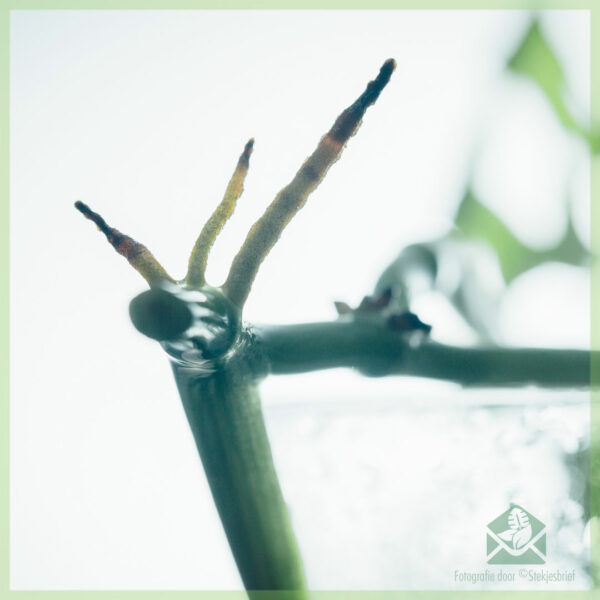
592, 5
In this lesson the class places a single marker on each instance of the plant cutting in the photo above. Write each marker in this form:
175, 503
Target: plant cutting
218, 359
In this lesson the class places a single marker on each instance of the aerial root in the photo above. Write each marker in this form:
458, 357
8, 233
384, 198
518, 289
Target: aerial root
214, 225
266, 231
139, 257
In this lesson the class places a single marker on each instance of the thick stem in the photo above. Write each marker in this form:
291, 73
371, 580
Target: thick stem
224, 413
373, 349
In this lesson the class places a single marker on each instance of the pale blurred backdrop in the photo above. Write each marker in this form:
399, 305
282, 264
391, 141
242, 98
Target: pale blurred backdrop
390, 482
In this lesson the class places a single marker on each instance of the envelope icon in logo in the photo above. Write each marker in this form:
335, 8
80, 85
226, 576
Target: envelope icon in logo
516, 537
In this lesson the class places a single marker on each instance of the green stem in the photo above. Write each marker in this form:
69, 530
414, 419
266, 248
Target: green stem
373, 349
224, 413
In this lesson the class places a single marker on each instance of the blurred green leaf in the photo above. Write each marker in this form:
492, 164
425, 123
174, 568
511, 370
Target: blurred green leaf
481, 243
464, 264
468, 265
535, 59
475, 221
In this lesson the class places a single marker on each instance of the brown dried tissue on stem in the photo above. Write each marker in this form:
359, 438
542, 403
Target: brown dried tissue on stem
266, 231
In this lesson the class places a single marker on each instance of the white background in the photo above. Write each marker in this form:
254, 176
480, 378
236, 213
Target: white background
142, 115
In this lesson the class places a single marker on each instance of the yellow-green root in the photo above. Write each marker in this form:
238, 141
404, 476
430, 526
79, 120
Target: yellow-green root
266, 231
210, 231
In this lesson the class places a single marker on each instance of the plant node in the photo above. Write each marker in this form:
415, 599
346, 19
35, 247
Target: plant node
194, 321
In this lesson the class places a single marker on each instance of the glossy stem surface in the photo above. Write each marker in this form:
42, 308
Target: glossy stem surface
225, 415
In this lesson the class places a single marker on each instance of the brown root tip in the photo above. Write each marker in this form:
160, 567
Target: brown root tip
245, 156
88, 213
266, 231
122, 243
138, 256
388, 66
375, 87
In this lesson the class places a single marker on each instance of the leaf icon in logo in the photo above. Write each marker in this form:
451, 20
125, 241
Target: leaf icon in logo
520, 528
517, 518
507, 535
522, 537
